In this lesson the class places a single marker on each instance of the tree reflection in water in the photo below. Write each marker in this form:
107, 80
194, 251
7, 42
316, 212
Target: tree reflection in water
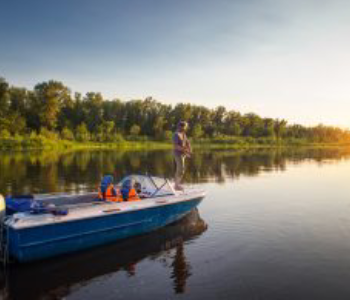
77, 171
82, 170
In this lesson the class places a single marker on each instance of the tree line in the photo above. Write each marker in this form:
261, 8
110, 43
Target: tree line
53, 110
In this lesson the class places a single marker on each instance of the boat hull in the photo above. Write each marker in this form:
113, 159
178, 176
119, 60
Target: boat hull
40, 242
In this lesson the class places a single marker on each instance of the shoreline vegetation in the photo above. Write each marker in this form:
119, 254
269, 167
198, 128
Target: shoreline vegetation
51, 117
40, 142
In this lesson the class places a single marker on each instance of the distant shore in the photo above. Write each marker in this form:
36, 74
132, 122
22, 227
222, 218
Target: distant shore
43, 143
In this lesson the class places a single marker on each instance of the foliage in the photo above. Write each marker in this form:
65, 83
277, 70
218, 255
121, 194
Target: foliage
50, 135
50, 108
197, 131
4, 133
118, 138
49, 99
67, 134
135, 130
167, 135
82, 133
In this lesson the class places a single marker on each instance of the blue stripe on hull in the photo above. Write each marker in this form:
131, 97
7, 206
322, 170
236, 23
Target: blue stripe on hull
54, 239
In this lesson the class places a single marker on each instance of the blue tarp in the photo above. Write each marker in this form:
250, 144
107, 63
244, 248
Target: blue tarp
18, 203
15, 204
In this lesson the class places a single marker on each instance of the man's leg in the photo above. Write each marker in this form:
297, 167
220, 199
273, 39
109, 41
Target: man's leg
180, 170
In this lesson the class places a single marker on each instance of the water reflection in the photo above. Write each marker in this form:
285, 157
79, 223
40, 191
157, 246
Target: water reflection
53, 172
181, 269
263, 242
55, 278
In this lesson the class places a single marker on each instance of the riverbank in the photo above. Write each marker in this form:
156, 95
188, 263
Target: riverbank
42, 143
253, 143
39, 142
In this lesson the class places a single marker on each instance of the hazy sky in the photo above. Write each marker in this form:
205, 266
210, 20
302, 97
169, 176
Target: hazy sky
278, 58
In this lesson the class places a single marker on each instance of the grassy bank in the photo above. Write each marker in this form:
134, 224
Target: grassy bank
43, 143
249, 142
40, 142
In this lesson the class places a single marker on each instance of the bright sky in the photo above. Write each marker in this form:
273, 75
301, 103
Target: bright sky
278, 58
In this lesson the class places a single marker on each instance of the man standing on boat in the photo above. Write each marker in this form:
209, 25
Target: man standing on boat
182, 149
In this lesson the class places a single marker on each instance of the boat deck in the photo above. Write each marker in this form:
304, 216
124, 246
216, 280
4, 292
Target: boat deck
88, 207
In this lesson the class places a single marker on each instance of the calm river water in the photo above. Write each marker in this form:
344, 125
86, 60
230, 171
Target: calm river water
274, 225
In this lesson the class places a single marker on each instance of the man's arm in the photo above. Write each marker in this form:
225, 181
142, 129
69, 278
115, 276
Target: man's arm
178, 147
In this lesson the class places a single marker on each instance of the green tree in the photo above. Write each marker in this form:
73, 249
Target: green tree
167, 135
4, 97
232, 124
18, 100
252, 125
269, 128
50, 135
49, 108
181, 112
67, 134
4, 123
118, 138
50, 97
82, 133
32, 112
135, 130
5, 134
93, 111
158, 127
218, 119
280, 128
202, 115
17, 124
105, 131
197, 131
113, 111
78, 113
67, 114
108, 130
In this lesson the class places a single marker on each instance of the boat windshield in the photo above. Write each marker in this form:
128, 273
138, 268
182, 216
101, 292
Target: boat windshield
149, 186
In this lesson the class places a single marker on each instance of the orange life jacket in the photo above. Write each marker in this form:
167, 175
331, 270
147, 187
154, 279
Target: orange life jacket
114, 195
111, 194
133, 195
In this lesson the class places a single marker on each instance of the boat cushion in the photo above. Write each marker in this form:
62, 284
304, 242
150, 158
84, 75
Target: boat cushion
20, 203
29, 204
